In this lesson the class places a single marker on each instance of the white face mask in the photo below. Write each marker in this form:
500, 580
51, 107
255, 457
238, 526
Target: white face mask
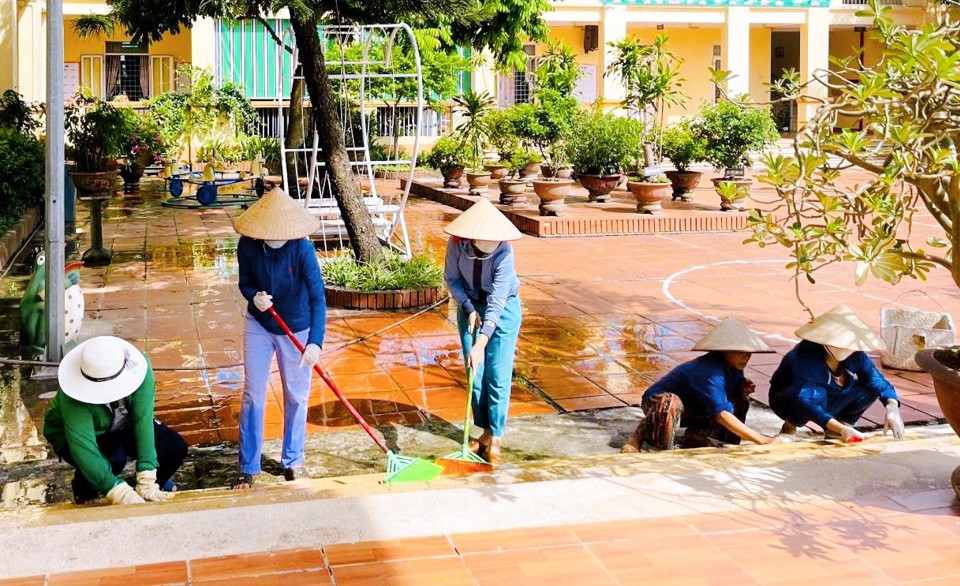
275, 243
486, 246
840, 354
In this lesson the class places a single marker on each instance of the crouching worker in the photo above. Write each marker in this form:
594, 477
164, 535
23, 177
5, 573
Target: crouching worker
103, 415
708, 395
827, 378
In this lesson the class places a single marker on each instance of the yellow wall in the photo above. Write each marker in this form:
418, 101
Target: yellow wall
573, 36
8, 45
759, 63
176, 45
695, 47
846, 43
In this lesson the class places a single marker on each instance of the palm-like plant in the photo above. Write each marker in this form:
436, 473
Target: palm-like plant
473, 130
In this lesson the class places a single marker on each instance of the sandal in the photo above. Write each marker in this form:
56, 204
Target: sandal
295, 473
243, 482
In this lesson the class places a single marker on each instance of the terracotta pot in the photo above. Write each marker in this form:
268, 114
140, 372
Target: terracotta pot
600, 186
131, 176
946, 384
560, 173
530, 170
513, 192
737, 204
452, 176
100, 183
649, 195
552, 192
478, 182
497, 171
683, 183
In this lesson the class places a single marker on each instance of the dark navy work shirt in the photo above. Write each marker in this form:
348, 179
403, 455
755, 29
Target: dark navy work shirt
702, 384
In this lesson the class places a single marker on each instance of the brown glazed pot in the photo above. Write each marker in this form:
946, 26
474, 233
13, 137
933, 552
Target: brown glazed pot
649, 195
452, 176
946, 384
94, 184
683, 182
513, 192
600, 186
552, 193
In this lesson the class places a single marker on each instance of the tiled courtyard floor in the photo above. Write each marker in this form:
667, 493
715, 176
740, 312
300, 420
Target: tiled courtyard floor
603, 318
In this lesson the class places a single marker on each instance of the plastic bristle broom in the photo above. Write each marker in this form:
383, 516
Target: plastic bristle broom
399, 468
464, 462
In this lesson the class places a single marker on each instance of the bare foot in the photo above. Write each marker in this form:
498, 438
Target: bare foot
632, 446
243, 482
788, 428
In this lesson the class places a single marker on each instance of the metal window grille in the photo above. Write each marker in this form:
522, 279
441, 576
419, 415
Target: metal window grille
403, 122
865, 2
128, 81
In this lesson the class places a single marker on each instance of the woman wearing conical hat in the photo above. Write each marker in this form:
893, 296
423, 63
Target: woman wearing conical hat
482, 279
709, 395
279, 269
828, 378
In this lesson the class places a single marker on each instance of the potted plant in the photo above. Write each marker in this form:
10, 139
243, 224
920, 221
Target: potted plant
730, 133
472, 133
649, 192
97, 133
446, 156
144, 148
943, 364
513, 188
682, 149
732, 194
600, 146
502, 139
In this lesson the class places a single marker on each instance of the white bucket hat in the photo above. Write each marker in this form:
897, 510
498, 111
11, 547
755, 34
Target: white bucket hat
102, 370
732, 336
276, 217
483, 221
841, 328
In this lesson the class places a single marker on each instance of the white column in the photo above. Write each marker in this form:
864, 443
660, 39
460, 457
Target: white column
8, 46
54, 241
814, 59
735, 49
202, 44
30, 52
613, 28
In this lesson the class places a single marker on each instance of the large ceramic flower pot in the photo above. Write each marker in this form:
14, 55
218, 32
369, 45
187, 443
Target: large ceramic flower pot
557, 172
131, 175
683, 183
478, 182
733, 204
94, 184
451, 176
943, 364
600, 186
649, 195
497, 171
552, 193
513, 192
530, 170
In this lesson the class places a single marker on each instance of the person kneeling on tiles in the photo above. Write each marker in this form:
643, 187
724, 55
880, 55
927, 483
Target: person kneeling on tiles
708, 395
103, 415
827, 378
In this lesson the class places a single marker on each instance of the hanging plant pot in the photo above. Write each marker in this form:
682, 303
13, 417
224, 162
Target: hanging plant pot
552, 193
649, 195
478, 182
943, 364
452, 176
600, 186
513, 192
683, 183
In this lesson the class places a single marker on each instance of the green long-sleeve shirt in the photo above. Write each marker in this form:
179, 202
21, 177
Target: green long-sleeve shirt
76, 425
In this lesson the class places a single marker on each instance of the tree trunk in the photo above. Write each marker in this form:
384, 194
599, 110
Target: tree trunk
294, 131
356, 219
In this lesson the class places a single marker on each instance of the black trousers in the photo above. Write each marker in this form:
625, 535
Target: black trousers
119, 447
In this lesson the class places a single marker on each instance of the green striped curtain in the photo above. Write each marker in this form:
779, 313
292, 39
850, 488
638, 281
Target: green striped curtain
250, 57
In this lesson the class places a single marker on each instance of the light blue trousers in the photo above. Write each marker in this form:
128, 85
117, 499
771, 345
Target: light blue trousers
493, 378
259, 346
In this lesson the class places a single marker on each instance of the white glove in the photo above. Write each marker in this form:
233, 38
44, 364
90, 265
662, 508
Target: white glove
851, 435
263, 301
311, 354
122, 494
148, 488
893, 422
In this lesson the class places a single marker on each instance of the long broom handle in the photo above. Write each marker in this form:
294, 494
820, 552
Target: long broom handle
333, 386
466, 420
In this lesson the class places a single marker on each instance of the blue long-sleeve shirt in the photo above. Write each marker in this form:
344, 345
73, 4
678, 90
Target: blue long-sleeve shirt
291, 274
497, 278
805, 367
703, 385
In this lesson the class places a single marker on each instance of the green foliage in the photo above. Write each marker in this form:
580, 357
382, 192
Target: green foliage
22, 183
473, 131
389, 271
501, 132
557, 69
144, 143
730, 191
96, 131
730, 132
680, 146
446, 153
546, 124
268, 149
17, 114
603, 143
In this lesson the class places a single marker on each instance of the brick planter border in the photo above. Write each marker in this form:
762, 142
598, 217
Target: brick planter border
11, 242
391, 299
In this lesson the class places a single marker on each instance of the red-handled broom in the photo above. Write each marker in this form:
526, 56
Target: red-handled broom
399, 468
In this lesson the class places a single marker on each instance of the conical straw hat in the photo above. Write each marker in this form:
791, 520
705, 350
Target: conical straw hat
276, 217
483, 221
732, 336
842, 328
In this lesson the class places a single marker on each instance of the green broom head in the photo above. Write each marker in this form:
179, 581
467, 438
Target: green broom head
408, 469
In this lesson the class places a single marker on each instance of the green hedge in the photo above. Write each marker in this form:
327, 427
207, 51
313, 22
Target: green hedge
22, 180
